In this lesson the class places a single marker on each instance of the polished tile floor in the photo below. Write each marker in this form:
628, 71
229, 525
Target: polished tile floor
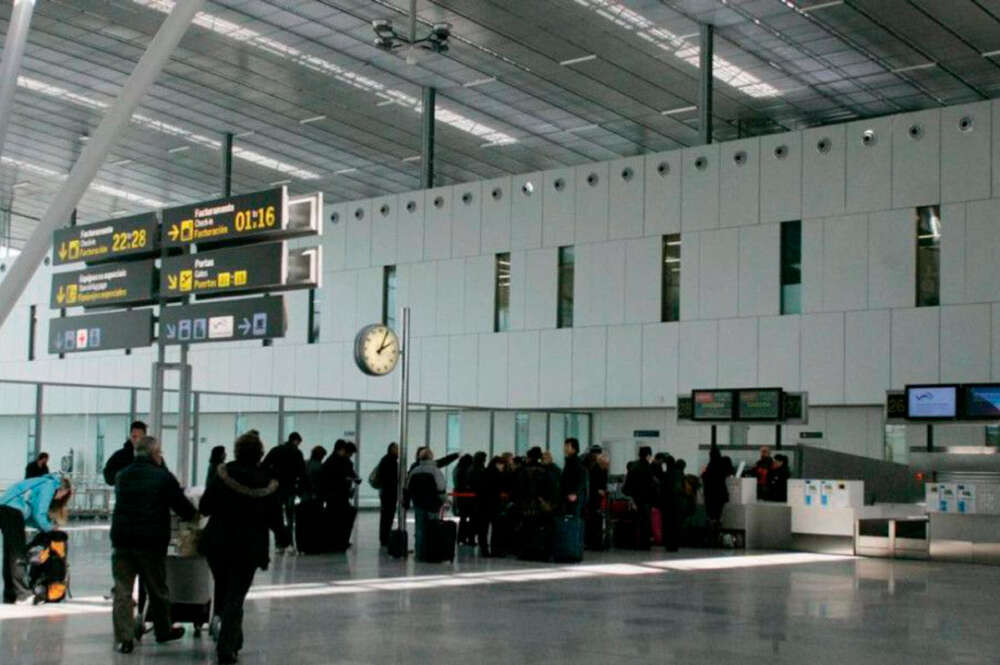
695, 607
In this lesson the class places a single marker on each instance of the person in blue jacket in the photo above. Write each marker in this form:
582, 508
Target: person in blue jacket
40, 503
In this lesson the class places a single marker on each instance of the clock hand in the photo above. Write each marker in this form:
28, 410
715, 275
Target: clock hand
384, 343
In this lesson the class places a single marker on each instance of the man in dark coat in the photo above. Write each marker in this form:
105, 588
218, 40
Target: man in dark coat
242, 505
573, 483
145, 493
640, 484
341, 480
39, 467
124, 455
286, 464
388, 491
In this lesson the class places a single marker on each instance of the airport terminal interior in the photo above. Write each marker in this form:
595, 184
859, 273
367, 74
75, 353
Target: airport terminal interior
499, 331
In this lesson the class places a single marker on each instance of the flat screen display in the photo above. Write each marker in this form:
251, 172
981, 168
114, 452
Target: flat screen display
931, 402
712, 404
759, 404
982, 401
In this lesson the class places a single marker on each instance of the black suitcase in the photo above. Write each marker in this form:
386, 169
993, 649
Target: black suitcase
311, 536
439, 541
399, 544
567, 543
536, 540
341, 521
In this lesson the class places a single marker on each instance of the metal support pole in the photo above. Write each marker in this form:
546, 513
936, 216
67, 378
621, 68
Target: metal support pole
548, 430
95, 152
427, 138
404, 408
195, 436
13, 52
715, 436
39, 403
492, 431
227, 165
281, 421
427, 426
184, 420
357, 443
133, 400
706, 50
156, 395
777, 437
930, 438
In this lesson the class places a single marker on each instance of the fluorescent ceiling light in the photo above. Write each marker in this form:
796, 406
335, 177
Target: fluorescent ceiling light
576, 61
95, 186
926, 65
180, 148
822, 5
679, 46
990, 54
119, 213
232, 30
121, 162
412, 158
679, 109
167, 128
385, 102
20, 184
478, 82
279, 183
583, 128
315, 118
243, 135
343, 171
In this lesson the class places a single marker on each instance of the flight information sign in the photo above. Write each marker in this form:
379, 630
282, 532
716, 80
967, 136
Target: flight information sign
129, 329
233, 270
127, 237
233, 219
224, 321
104, 285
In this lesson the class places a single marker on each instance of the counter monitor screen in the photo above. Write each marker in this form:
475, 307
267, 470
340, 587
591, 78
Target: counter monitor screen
759, 404
982, 401
712, 405
931, 402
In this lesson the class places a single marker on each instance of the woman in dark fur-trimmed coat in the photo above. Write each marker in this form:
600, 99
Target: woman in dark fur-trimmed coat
242, 504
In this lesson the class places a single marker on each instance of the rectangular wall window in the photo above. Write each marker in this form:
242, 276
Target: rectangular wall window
389, 296
567, 269
314, 317
453, 433
670, 299
522, 423
501, 310
791, 267
928, 256
32, 326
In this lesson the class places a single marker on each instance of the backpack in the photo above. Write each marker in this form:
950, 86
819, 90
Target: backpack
374, 478
48, 568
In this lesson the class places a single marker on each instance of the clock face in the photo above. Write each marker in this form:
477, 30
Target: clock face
376, 350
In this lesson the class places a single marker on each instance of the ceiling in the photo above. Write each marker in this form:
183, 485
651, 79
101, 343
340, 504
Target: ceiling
508, 100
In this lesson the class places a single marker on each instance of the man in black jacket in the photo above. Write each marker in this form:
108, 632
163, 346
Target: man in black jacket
388, 491
640, 484
573, 483
124, 455
145, 493
286, 464
39, 467
341, 480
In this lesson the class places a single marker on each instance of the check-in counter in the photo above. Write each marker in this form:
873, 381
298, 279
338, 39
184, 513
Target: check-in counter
965, 538
824, 514
764, 525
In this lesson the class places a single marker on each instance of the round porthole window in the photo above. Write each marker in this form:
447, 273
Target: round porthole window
824, 145
47, 260
965, 124
663, 168
359, 214
916, 131
593, 179
781, 152
334, 217
868, 138
527, 188
497, 193
701, 163
467, 198
3, 267
740, 157
439, 202
411, 206
627, 173
384, 210
559, 184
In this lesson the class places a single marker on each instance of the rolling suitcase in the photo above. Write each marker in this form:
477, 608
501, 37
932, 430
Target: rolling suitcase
439, 541
399, 544
656, 525
567, 544
189, 581
595, 531
341, 522
310, 535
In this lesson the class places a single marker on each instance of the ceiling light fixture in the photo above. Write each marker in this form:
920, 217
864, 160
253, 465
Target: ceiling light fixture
822, 5
121, 162
990, 54
583, 128
243, 135
478, 82
679, 109
315, 118
412, 158
343, 171
576, 61
180, 148
279, 183
20, 184
387, 39
926, 65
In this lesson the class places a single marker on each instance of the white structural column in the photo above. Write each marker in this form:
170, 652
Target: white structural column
95, 152
13, 52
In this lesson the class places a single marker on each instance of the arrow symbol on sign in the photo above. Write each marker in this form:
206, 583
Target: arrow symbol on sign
60, 295
62, 250
172, 282
173, 232
171, 331
245, 326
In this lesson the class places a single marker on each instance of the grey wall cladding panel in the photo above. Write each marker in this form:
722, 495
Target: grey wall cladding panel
466, 221
385, 234
662, 193
739, 198
526, 211
700, 188
410, 228
823, 357
982, 247
966, 145
760, 270
953, 254
334, 237
626, 197
556, 379
916, 159
624, 366
915, 345
869, 165
558, 194
778, 358
523, 372
891, 259
867, 369
359, 234
589, 366
643, 285
438, 208
823, 171
965, 343
718, 274
480, 278
738, 353
845, 263
496, 215
592, 202
781, 177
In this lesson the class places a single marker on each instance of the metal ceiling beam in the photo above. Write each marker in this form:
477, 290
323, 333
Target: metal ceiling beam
13, 52
115, 121
705, 85
427, 138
